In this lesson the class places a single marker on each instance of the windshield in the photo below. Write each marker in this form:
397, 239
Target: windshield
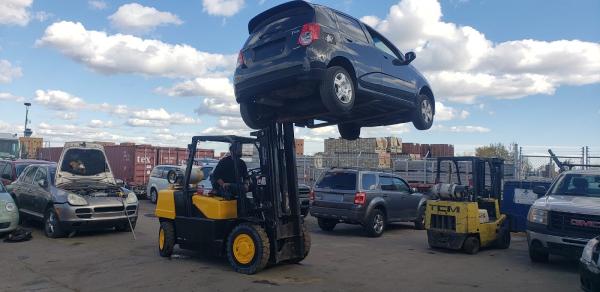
338, 180
9, 148
84, 162
577, 184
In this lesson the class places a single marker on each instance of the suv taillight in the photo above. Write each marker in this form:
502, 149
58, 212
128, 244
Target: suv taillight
311, 195
309, 33
240, 59
360, 198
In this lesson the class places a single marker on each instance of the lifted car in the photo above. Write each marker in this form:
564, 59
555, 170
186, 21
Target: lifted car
305, 62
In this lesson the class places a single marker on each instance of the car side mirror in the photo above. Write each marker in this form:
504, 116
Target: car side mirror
540, 190
6, 176
409, 57
120, 182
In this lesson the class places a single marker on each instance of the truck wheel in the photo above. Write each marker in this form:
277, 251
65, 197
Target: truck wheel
337, 90
471, 245
166, 238
52, 227
254, 117
153, 196
248, 248
537, 254
420, 221
424, 112
326, 224
307, 242
349, 131
376, 223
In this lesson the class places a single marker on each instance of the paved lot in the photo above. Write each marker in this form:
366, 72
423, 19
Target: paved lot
344, 260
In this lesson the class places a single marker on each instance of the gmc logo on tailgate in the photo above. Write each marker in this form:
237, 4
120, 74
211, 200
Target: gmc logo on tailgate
585, 223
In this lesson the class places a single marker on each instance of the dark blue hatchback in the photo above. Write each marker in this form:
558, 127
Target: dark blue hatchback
308, 63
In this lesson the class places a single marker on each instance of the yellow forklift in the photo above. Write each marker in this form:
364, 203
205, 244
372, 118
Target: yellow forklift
466, 212
258, 227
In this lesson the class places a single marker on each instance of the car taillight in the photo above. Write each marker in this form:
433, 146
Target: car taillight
360, 198
240, 59
309, 33
311, 195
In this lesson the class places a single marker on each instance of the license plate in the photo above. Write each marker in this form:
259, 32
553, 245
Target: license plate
333, 198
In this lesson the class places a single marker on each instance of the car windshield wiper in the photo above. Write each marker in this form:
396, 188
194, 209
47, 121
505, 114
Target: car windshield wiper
575, 194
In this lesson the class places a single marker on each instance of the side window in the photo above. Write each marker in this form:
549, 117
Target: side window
27, 176
386, 183
400, 185
351, 28
369, 182
5, 169
156, 172
41, 174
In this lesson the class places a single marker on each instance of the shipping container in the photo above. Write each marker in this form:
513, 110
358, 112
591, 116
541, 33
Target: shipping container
168, 155
49, 153
132, 164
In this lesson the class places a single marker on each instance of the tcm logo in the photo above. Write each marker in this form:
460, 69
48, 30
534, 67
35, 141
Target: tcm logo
445, 209
584, 223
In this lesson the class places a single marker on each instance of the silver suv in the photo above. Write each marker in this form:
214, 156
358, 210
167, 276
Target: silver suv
566, 217
158, 179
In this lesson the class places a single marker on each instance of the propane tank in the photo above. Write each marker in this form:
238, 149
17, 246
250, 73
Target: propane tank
449, 191
196, 176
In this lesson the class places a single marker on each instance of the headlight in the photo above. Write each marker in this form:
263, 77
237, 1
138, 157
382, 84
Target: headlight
10, 207
76, 200
588, 251
131, 198
539, 216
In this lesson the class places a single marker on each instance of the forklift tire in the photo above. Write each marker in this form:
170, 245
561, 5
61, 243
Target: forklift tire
420, 221
471, 245
307, 243
166, 238
248, 248
375, 225
326, 224
503, 240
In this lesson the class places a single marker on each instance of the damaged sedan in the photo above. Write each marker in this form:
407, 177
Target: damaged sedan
78, 193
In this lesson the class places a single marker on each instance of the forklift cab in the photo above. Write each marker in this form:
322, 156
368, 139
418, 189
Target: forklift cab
253, 224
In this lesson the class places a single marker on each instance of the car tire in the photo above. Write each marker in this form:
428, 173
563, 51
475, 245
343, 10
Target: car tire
376, 223
254, 116
153, 196
307, 243
471, 245
326, 224
166, 238
537, 254
420, 221
248, 248
424, 113
349, 131
337, 90
52, 228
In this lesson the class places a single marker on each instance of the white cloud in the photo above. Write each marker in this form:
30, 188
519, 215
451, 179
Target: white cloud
228, 126
60, 133
59, 100
461, 129
135, 18
158, 118
10, 97
207, 87
68, 116
222, 7
463, 65
97, 4
15, 12
42, 16
100, 124
119, 53
447, 113
8, 72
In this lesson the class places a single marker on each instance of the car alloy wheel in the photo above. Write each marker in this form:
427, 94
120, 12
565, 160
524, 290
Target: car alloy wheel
51, 223
343, 88
426, 111
378, 223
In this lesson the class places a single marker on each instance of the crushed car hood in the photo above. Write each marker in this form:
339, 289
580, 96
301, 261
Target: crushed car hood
570, 204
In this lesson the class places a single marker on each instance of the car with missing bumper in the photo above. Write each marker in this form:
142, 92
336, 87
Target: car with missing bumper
368, 198
307, 62
9, 215
566, 217
78, 193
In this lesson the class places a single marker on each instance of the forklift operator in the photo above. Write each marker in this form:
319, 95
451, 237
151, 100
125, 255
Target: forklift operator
223, 177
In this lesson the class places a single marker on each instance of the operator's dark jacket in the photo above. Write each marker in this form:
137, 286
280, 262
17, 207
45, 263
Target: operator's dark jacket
225, 171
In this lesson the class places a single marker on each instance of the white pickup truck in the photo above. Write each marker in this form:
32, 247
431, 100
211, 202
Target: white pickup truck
566, 217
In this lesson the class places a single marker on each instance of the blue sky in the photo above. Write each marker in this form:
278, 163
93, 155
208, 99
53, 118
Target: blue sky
503, 71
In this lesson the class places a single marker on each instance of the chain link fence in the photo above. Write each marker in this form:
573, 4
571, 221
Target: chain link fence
536, 162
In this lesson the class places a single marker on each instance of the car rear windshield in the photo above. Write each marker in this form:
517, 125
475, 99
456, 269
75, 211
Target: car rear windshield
84, 162
577, 184
338, 180
282, 21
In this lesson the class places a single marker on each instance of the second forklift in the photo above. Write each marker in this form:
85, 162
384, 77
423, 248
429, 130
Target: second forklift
466, 214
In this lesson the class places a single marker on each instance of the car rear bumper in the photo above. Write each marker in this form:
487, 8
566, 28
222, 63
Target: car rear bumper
556, 244
89, 217
350, 216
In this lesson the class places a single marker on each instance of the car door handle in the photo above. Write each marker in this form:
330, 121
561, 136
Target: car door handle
385, 57
349, 40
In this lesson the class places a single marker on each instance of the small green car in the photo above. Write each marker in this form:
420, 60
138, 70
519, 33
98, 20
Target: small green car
9, 215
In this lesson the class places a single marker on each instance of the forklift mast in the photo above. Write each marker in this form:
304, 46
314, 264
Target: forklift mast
482, 168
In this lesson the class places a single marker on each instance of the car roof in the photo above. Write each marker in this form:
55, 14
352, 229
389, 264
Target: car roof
32, 161
584, 171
